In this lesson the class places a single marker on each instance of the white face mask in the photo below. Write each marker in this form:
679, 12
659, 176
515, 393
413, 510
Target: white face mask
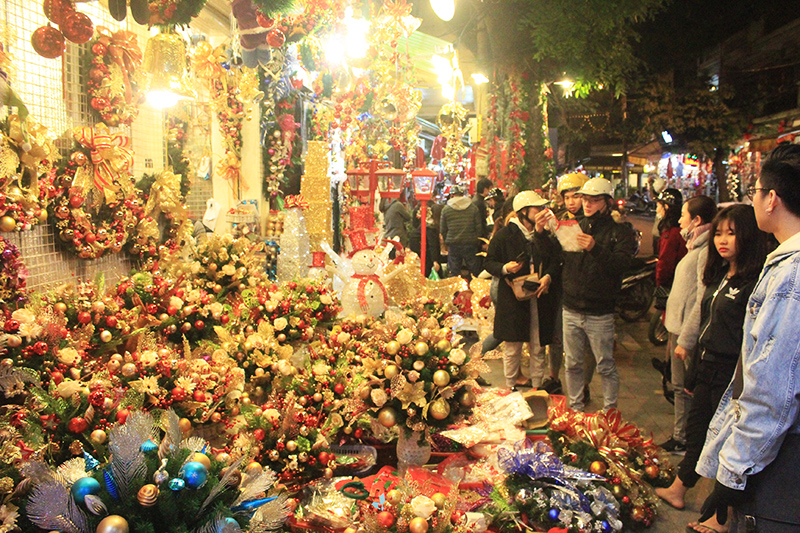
687, 233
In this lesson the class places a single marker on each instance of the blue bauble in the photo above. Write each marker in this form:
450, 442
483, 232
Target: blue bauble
553, 514
606, 527
176, 484
83, 487
195, 474
229, 523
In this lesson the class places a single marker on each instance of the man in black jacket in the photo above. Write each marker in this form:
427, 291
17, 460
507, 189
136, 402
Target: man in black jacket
592, 279
512, 253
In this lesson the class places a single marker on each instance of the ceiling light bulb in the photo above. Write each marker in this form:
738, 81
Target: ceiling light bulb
162, 99
479, 78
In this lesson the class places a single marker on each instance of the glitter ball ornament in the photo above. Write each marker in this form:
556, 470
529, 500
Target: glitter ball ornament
77, 27
57, 10
276, 38
48, 42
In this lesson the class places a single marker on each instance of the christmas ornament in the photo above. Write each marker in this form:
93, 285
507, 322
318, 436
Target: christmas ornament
418, 525
440, 409
598, 467
441, 378
387, 417
147, 495
194, 473
77, 27
48, 42
113, 524
57, 10
83, 487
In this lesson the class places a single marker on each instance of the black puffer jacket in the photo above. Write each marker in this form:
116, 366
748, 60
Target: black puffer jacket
592, 279
512, 317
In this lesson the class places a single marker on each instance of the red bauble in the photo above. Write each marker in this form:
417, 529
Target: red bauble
98, 103
57, 10
385, 519
84, 317
199, 396
178, 394
99, 49
77, 27
338, 388
48, 42
276, 38
78, 425
265, 21
76, 201
122, 415
259, 434
96, 75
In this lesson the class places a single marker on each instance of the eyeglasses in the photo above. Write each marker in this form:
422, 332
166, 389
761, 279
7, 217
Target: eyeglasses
751, 190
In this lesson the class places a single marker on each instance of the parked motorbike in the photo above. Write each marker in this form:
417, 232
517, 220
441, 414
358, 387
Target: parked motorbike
636, 295
657, 332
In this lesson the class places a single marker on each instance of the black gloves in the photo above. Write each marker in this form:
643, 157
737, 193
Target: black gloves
719, 500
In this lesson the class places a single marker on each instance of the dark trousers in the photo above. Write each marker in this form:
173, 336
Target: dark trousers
457, 254
713, 378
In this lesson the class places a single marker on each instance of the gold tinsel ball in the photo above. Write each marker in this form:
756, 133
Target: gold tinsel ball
421, 348
440, 409
441, 378
201, 458
418, 525
598, 467
387, 417
147, 495
419, 365
391, 371
392, 347
113, 524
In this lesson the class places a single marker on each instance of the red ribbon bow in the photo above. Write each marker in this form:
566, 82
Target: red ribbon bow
110, 154
295, 201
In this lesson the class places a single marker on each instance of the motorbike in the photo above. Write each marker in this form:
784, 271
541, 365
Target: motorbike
638, 285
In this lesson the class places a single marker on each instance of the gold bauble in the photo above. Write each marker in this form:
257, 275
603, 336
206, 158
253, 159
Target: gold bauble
106, 336
598, 467
440, 409
185, 425
652, 471
441, 378
291, 446
98, 436
253, 469
421, 348
418, 525
7, 224
419, 365
467, 399
638, 513
387, 417
392, 347
443, 345
147, 495
113, 524
394, 496
60, 308
317, 397
223, 457
201, 458
328, 473
618, 491
128, 370
391, 371
439, 500
113, 366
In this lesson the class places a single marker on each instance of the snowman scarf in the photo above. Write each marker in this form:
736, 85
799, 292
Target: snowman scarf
363, 279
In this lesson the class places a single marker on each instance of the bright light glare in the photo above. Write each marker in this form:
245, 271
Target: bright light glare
162, 99
357, 41
666, 136
479, 78
444, 9
448, 91
334, 50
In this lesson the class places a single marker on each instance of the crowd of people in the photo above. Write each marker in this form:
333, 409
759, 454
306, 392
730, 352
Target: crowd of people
732, 354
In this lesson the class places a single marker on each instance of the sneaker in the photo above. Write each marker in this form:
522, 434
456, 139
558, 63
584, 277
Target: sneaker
674, 446
552, 386
587, 395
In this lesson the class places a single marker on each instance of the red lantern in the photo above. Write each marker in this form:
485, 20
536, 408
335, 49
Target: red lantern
276, 38
57, 10
77, 27
48, 42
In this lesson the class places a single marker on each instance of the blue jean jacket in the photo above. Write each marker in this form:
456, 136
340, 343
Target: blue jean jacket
745, 435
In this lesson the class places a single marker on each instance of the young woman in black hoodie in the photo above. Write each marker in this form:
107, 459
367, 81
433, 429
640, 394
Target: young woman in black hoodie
736, 254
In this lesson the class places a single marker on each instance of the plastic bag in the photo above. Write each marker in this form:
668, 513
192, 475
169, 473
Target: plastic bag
433, 275
567, 233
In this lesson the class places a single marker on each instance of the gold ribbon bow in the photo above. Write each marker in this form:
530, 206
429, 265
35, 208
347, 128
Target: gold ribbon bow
110, 154
207, 60
165, 195
38, 137
125, 52
229, 167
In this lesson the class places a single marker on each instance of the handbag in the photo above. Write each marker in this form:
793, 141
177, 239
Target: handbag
660, 297
524, 287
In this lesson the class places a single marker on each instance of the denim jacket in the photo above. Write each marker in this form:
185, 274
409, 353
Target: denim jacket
745, 435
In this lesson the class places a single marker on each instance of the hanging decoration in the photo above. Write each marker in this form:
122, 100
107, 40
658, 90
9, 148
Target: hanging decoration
93, 204
26, 154
111, 63
73, 25
233, 93
507, 131
451, 120
13, 275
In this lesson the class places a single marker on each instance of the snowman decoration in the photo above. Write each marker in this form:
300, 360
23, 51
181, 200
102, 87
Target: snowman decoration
364, 290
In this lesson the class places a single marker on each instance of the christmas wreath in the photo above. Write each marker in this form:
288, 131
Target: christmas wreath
95, 178
174, 12
110, 64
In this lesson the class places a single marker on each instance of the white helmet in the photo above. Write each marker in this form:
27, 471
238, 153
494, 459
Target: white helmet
528, 199
659, 184
597, 187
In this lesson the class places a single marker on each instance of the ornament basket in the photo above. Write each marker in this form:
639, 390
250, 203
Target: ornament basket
246, 212
366, 455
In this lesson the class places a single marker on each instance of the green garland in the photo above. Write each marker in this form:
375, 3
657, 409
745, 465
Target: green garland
271, 7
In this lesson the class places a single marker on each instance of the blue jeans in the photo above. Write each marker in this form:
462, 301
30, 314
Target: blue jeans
457, 254
598, 332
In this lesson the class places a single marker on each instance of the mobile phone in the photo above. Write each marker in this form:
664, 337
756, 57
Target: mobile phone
531, 285
521, 257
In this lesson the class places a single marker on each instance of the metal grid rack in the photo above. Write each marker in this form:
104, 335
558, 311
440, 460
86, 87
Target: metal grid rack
53, 92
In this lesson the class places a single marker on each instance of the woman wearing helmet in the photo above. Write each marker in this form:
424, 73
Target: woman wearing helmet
512, 253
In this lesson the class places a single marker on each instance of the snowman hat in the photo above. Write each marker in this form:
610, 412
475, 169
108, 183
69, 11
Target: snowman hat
318, 260
362, 233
